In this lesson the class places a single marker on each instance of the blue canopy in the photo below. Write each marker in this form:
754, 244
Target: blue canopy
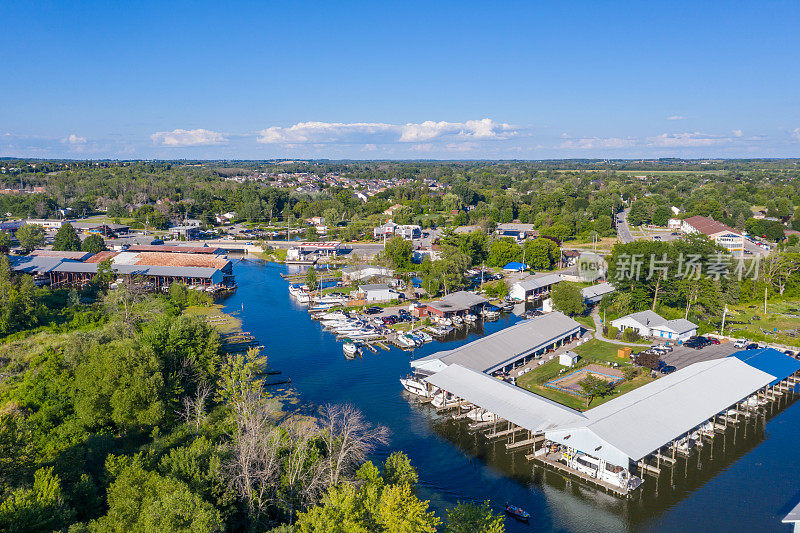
771, 361
513, 265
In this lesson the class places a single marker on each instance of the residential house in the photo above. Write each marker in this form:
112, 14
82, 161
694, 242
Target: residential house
651, 324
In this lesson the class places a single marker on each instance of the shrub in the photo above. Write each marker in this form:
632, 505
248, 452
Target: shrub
630, 335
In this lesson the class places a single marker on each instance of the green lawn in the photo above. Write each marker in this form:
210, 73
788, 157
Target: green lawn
585, 321
533, 380
601, 351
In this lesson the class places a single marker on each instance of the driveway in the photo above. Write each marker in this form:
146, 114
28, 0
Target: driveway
681, 357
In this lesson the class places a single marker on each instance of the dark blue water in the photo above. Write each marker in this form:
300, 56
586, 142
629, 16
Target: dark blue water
745, 483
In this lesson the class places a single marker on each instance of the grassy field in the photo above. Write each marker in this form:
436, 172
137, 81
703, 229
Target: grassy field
601, 352
750, 321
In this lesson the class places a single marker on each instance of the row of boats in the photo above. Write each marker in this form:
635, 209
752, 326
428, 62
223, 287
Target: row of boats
442, 399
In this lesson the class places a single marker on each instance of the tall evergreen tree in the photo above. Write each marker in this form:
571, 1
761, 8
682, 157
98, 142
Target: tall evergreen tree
67, 239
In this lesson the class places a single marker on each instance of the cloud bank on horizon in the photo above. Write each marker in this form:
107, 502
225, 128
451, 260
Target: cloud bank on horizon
483, 138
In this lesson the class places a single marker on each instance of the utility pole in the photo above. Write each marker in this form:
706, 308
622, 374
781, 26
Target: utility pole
725, 312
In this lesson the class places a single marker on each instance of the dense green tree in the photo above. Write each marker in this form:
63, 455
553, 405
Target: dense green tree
311, 279
67, 239
467, 517
567, 298
399, 252
503, 251
5, 242
30, 236
142, 500
93, 244
541, 254
661, 215
40, 508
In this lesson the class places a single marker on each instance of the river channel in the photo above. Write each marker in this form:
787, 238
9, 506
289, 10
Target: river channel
746, 483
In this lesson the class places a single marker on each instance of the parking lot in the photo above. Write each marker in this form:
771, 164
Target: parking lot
681, 357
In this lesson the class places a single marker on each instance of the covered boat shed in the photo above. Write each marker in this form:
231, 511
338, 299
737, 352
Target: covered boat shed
500, 351
640, 422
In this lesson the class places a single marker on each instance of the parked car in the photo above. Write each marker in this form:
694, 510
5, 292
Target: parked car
374, 310
751, 346
665, 347
667, 369
741, 343
713, 340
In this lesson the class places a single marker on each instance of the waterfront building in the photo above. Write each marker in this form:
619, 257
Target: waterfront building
651, 324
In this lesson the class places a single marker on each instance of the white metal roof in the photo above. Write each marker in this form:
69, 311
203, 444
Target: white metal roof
506, 345
539, 282
458, 301
793, 516
645, 419
511, 403
597, 290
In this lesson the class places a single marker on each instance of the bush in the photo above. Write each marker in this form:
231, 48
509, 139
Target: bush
630, 335
610, 332
630, 372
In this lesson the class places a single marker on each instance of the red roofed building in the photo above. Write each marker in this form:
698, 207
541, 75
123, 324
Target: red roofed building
724, 235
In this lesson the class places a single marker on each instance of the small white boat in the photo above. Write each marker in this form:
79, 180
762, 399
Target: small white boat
417, 387
457, 320
470, 319
481, 415
406, 342
424, 336
443, 321
443, 399
490, 314
303, 297
351, 349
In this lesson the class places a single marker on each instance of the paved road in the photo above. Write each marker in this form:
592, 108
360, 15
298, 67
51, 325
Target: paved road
623, 230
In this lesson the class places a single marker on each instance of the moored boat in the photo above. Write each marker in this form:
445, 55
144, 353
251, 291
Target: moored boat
517, 512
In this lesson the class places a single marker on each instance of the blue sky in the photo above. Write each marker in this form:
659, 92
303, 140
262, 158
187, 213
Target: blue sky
399, 80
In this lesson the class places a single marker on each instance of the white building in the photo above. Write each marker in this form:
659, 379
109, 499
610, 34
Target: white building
533, 287
378, 292
675, 224
724, 235
651, 324
358, 273
409, 231
568, 358
594, 293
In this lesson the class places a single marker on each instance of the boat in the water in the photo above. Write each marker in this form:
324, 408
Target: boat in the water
417, 387
457, 320
350, 349
481, 415
470, 319
517, 512
490, 314
406, 342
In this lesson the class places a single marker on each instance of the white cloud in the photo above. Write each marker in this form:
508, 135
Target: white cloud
322, 132
588, 143
378, 132
74, 139
676, 117
684, 140
181, 137
796, 133
737, 133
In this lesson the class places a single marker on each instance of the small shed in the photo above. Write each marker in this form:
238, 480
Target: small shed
568, 358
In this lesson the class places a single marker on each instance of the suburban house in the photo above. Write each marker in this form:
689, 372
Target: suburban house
724, 235
651, 324
594, 293
384, 230
358, 273
376, 292
674, 224
533, 287
456, 303
569, 257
